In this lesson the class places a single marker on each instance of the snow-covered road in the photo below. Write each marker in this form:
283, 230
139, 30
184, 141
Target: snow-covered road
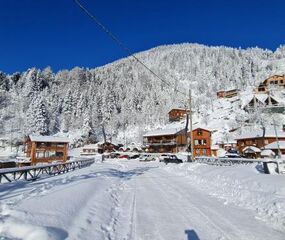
121, 199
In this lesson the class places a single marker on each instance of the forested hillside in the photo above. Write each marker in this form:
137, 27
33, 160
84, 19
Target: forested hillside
124, 95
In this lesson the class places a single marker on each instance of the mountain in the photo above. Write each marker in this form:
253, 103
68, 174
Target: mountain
126, 98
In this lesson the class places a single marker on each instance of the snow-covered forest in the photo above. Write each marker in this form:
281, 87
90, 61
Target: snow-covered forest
124, 95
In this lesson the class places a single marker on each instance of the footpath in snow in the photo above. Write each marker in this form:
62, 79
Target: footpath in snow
121, 199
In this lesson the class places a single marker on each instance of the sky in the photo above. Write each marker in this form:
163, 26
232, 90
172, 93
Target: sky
58, 34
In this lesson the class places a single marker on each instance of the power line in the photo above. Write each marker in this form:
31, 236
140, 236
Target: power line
122, 46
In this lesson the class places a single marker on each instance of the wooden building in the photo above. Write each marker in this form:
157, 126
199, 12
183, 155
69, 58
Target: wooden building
227, 93
174, 140
177, 114
202, 142
261, 100
256, 139
165, 140
275, 81
46, 148
91, 149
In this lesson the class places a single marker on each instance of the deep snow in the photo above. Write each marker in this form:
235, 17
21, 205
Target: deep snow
128, 199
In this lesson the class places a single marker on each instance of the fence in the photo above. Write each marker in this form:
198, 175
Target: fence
280, 165
31, 173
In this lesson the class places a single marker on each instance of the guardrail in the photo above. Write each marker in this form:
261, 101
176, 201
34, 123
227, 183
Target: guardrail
280, 165
223, 161
32, 173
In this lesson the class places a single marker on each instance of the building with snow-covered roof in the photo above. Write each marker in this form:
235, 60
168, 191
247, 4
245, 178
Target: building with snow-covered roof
261, 100
46, 148
251, 152
175, 140
274, 147
227, 93
275, 81
256, 138
91, 149
177, 114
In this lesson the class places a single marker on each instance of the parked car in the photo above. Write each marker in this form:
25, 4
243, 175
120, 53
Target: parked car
135, 156
124, 156
146, 157
172, 159
162, 157
232, 155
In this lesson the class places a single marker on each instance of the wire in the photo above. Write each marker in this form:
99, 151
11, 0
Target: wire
123, 46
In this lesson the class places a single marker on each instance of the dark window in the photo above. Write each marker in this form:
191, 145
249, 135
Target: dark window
59, 154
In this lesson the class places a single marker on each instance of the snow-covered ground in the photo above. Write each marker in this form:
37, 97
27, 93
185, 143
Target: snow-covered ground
128, 199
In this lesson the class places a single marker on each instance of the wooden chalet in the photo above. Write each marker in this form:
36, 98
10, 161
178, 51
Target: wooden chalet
227, 93
177, 114
202, 142
165, 140
261, 100
256, 139
275, 81
46, 148
174, 140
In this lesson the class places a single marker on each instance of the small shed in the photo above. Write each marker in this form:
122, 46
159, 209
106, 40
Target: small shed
46, 148
251, 152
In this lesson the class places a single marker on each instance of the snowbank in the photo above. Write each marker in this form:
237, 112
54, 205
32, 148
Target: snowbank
242, 186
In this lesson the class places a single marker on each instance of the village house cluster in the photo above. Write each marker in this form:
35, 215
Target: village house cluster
175, 137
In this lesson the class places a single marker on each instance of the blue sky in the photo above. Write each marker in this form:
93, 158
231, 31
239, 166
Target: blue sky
56, 33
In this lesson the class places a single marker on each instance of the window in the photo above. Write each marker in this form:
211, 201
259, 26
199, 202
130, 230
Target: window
266, 141
59, 154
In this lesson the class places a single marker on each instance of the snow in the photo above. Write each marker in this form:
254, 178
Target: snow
259, 133
267, 153
274, 145
128, 199
251, 149
163, 132
35, 138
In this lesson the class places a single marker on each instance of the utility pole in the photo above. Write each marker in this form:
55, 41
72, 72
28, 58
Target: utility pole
190, 128
277, 141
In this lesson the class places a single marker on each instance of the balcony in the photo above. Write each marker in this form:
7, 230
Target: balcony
160, 142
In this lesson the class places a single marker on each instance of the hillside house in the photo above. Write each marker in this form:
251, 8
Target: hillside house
275, 81
174, 140
256, 139
261, 100
227, 93
46, 148
177, 114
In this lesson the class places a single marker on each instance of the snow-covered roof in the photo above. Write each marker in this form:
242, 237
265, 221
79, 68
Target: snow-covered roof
90, 146
250, 149
274, 145
163, 132
180, 109
258, 134
35, 138
267, 152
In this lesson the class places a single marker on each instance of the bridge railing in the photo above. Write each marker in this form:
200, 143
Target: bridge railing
31, 173
280, 164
